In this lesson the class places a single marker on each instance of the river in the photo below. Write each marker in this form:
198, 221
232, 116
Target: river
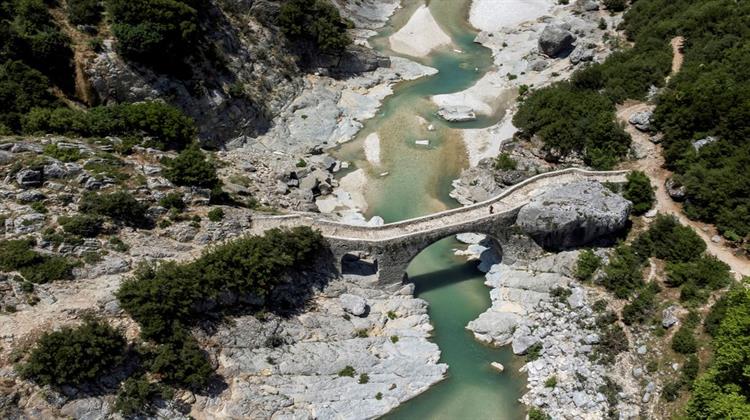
418, 182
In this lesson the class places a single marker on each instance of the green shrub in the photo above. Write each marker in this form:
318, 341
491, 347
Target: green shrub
638, 190
173, 200
21, 88
569, 121
669, 240
164, 300
612, 341
684, 341
84, 225
641, 307
137, 396
120, 206
75, 355
551, 382
721, 391
364, 378
19, 255
84, 12
190, 168
537, 414
181, 363
716, 315
671, 390
216, 214
534, 351
587, 264
314, 21
158, 33
166, 125
705, 272
379, 396
347, 371
394, 339
65, 155
623, 273
615, 5
690, 369
503, 162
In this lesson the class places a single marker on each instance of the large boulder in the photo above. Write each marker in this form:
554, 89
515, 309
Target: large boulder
555, 40
675, 190
574, 215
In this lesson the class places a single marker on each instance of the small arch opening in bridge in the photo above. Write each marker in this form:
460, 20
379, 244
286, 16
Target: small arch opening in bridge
450, 260
358, 263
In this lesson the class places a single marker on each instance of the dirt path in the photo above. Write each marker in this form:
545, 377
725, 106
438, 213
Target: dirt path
652, 163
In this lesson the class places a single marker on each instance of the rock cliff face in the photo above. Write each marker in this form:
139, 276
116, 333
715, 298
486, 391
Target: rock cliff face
237, 89
574, 215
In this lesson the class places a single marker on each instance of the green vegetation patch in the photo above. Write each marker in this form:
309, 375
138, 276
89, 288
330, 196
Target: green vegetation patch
314, 21
120, 206
19, 255
75, 355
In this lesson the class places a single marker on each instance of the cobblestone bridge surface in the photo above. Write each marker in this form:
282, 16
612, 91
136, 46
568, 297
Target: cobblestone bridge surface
391, 247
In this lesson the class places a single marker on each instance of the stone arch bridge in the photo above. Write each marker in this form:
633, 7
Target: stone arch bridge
392, 246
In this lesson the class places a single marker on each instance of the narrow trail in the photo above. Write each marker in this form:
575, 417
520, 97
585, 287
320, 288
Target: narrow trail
653, 166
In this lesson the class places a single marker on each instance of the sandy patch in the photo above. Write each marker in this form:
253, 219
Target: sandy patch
491, 15
486, 142
420, 35
349, 195
372, 149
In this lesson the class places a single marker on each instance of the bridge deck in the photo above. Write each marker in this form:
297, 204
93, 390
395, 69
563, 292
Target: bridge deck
509, 200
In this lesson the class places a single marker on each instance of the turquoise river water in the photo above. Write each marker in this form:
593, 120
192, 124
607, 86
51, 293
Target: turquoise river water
418, 183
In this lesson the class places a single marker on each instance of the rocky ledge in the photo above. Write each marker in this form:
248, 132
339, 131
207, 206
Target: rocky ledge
358, 353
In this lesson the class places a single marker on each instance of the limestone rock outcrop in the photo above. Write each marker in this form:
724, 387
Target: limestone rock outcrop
574, 215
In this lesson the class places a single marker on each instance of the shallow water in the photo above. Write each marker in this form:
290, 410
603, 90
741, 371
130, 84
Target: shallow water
418, 183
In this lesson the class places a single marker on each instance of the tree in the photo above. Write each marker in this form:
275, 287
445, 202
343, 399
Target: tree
314, 21
121, 206
638, 190
723, 390
136, 396
75, 355
84, 225
191, 168
684, 341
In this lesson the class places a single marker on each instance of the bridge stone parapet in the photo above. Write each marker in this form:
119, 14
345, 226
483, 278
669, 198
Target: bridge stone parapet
392, 246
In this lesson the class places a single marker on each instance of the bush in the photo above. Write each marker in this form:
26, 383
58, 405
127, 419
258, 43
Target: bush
164, 299
75, 355
623, 273
612, 342
684, 341
166, 125
537, 414
503, 162
314, 21
705, 272
638, 190
182, 363
690, 369
190, 168
573, 121
640, 308
671, 390
667, 239
84, 225
158, 33
120, 206
716, 315
136, 397
533, 352
21, 88
363, 378
18, 255
347, 371
587, 264
615, 5
173, 200
215, 215
721, 391
65, 155
84, 12
551, 382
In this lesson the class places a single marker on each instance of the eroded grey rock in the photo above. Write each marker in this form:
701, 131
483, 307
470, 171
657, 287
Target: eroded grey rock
555, 40
573, 215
